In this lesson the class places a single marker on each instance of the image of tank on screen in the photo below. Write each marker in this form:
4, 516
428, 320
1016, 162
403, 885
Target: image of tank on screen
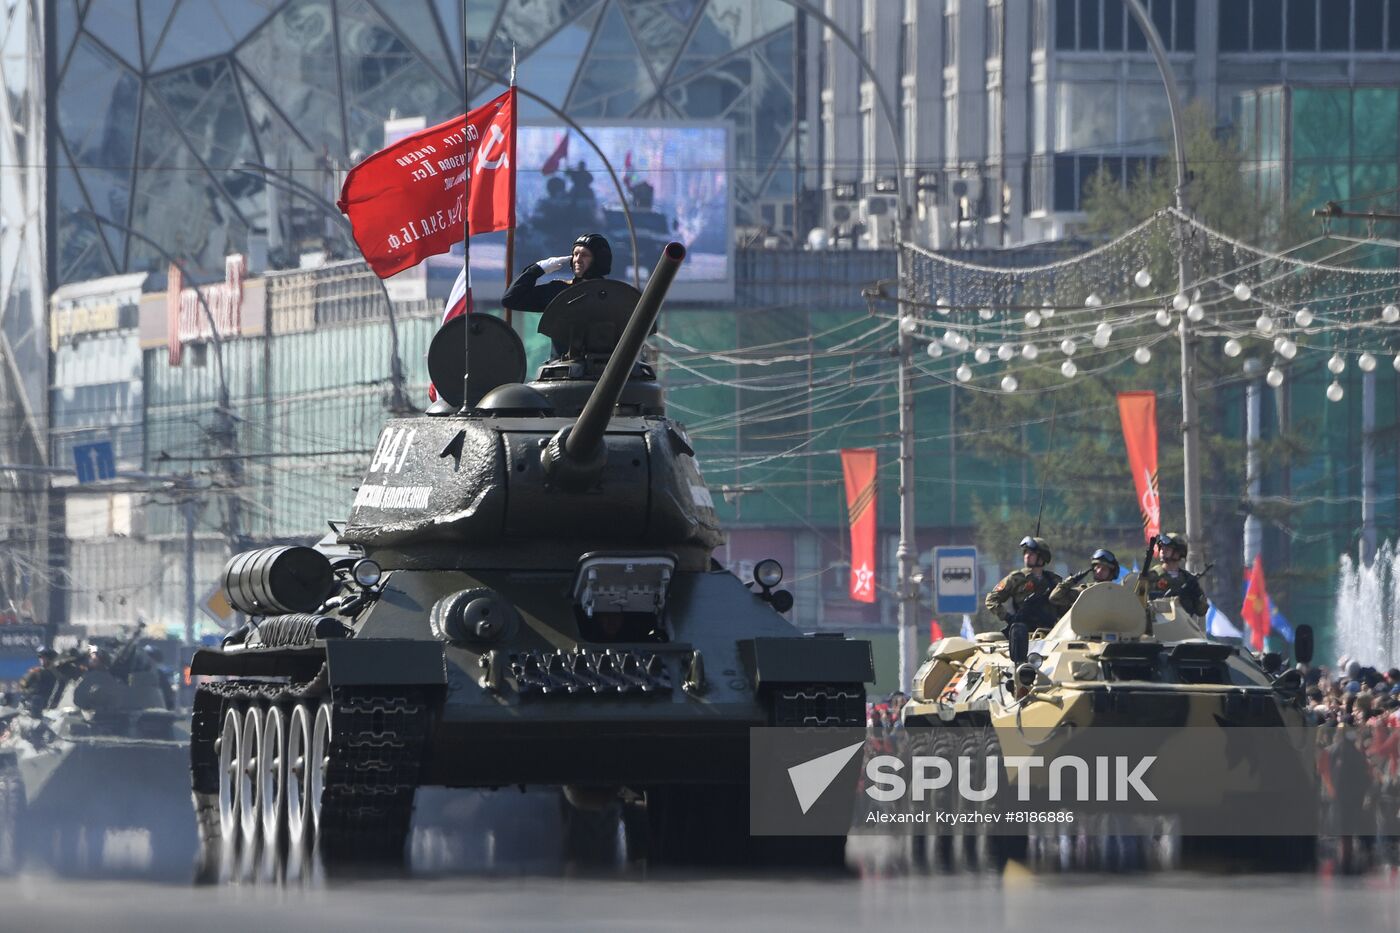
673, 180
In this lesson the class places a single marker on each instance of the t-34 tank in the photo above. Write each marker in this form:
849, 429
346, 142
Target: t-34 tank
103, 752
524, 595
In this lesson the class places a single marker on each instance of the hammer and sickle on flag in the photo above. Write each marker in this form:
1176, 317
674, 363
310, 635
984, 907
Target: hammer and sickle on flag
406, 202
495, 142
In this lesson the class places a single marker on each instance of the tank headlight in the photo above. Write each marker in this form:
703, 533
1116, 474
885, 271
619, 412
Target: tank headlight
367, 572
1034, 660
1025, 675
768, 573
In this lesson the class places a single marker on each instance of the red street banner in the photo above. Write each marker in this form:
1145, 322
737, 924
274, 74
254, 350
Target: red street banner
407, 201
1138, 411
1255, 611
859, 467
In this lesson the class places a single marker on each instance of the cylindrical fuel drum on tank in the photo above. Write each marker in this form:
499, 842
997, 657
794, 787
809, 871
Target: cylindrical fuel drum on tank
277, 580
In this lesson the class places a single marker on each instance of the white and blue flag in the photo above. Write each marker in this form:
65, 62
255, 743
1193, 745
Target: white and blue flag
1218, 624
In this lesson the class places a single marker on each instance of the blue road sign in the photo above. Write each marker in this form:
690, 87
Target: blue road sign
955, 580
94, 461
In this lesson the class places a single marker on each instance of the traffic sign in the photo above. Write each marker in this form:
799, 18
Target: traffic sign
216, 606
94, 461
955, 579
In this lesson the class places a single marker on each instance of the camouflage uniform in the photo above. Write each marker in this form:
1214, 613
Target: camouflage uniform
1184, 586
37, 684
1019, 588
1067, 590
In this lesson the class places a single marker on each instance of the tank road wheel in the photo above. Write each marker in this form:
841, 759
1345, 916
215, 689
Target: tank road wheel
249, 749
318, 761
298, 774
272, 775
230, 740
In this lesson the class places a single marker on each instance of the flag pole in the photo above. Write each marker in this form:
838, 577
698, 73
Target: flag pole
466, 212
510, 230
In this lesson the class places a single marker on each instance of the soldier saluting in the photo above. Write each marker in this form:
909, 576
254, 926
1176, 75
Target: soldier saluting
1103, 567
1024, 595
1166, 577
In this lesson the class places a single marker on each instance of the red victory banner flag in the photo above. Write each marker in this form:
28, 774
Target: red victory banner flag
1138, 411
859, 467
1255, 611
560, 153
408, 201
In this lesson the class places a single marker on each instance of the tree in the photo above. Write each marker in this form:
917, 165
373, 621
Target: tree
1089, 496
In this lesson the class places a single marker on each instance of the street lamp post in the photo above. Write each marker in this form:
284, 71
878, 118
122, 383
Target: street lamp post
906, 555
1190, 424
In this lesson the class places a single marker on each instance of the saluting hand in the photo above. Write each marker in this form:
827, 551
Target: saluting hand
553, 264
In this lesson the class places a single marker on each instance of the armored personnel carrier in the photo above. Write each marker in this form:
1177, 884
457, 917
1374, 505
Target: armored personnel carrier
524, 594
1110, 664
103, 753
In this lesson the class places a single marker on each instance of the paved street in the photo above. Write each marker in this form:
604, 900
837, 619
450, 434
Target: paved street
1168, 902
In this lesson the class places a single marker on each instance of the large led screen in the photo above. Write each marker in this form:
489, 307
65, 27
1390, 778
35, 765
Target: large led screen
673, 178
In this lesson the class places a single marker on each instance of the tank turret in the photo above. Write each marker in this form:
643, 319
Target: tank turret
581, 459
576, 456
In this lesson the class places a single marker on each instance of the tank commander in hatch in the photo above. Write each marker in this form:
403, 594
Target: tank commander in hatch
591, 259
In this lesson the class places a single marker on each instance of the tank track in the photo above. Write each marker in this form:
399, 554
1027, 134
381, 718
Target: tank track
377, 740
375, 762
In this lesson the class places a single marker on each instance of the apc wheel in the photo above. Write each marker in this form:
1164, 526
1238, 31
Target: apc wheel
272, 775
318, 762
230, 742
298, 786
1002, 847
249, 750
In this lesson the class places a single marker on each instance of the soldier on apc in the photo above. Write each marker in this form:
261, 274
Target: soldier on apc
38, 682
1024, 595
1103, 568
1168, 578
591, 259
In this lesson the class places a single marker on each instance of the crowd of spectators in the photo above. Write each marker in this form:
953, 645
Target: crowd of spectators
1358, 711
883, 725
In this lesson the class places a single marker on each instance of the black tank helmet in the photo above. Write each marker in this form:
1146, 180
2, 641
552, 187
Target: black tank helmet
597, 244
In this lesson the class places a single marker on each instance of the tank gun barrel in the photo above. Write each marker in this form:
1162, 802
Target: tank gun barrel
575, 456
127, 651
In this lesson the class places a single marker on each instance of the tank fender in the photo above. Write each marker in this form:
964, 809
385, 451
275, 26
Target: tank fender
351, 662
385, 662
807, 660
